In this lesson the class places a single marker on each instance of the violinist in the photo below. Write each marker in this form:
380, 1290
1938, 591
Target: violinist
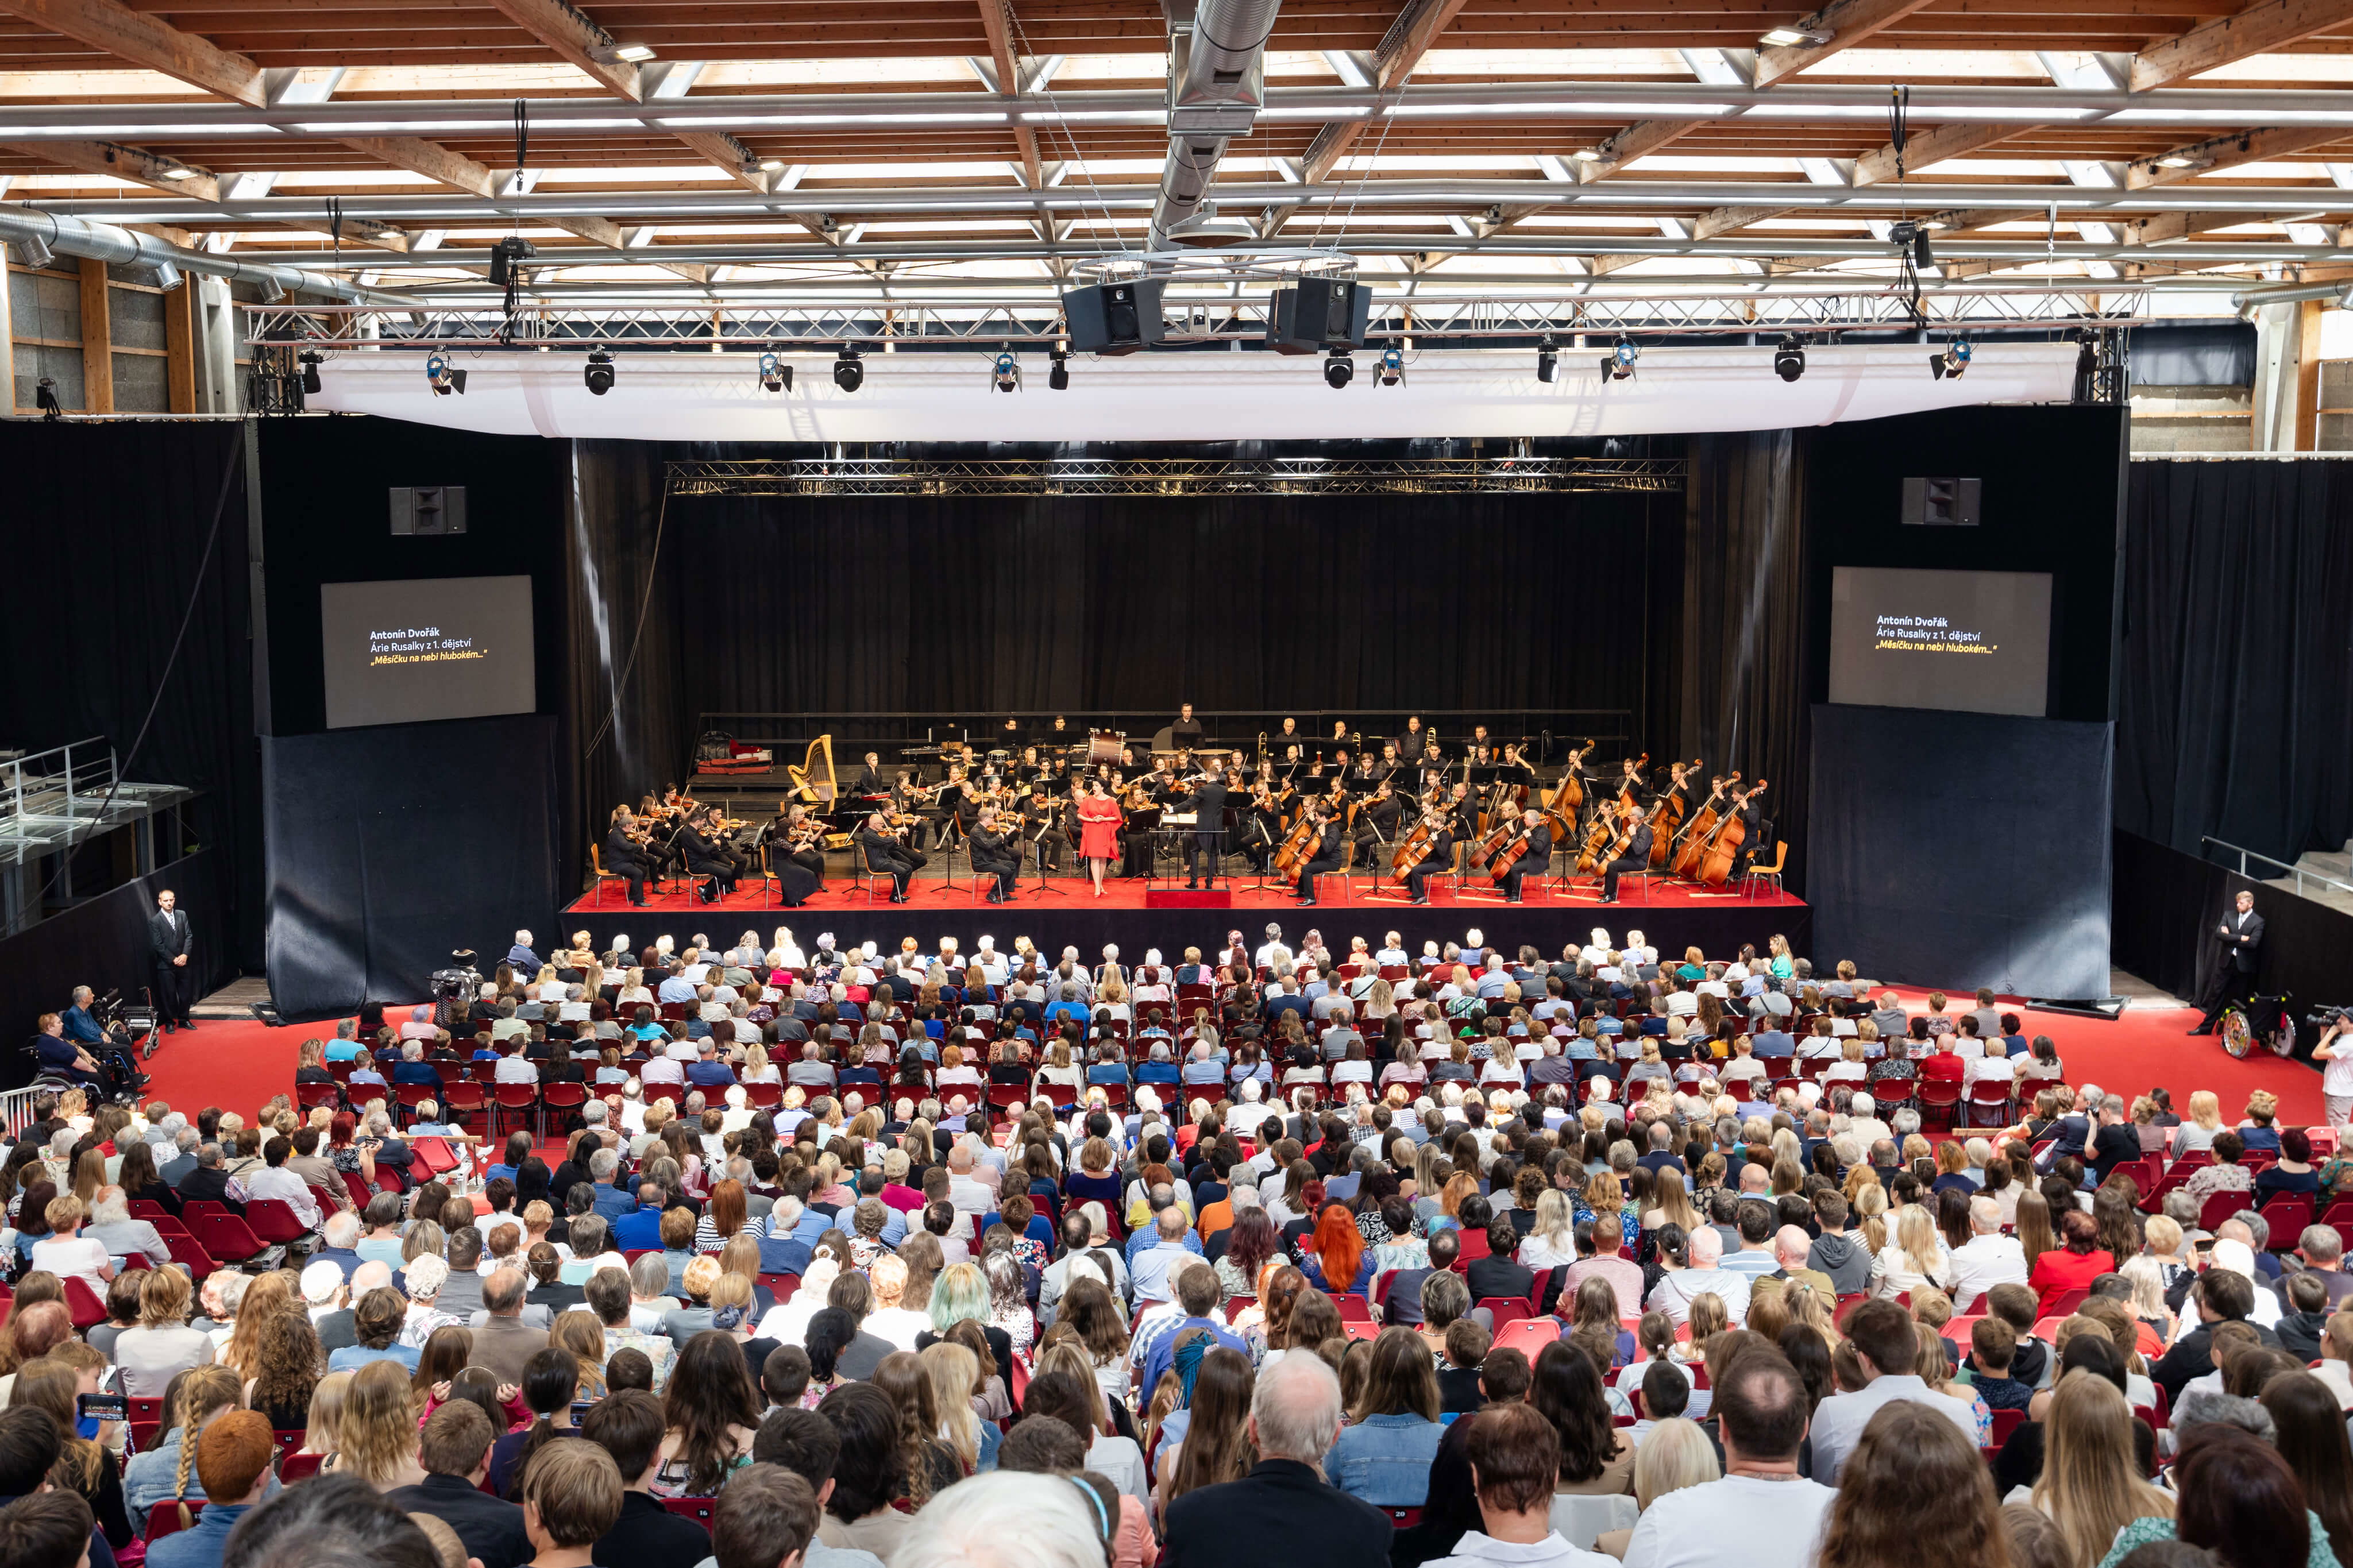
1260, 825
887, 854
1376, 819
994, 855
1331, 850
1098, 816
625, 844
1207, 802
707, 856
872, 781
1633, 856
804, 852
955, 807
1535, 855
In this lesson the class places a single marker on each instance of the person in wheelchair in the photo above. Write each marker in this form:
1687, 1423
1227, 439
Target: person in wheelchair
69, 1061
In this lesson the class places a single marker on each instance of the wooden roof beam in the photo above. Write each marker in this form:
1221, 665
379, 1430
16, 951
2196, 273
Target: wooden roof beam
2266, 25
1840, 24
1334, 141
2226, 153
997, 21
115, 161
576, 38
114, 29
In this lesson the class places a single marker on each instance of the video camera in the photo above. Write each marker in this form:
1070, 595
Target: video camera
455, 988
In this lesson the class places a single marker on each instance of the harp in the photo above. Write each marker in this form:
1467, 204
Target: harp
814, 786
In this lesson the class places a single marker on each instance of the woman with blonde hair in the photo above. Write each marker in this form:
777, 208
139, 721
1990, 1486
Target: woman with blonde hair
955, 1373
1676, 1454
2090, 1485
1553, 1242
2203, 1125
327, 1409
1871, 1214
1671, 1204
376, 1435
169, 1469
1917, 1256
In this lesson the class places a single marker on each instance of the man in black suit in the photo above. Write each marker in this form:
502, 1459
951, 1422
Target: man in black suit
886, 857
1498, 1274
1330, 851
169, 944
1207, 802
993, 855
1536, 858
1637, 857
455, 1455
1283, 1508
623, 855
2241, 933
1439, 861
707, 856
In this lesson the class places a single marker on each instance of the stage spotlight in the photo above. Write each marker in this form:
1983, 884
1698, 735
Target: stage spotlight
1005, 373
599, 373
503, 257
310, 363
1952, 362
443, 377
848, 371
1547, 361
1618, 362
1789, 358
1059, 378
776, 375
1338, 369
1392, 367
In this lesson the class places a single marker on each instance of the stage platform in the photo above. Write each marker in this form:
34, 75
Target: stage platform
1671, 916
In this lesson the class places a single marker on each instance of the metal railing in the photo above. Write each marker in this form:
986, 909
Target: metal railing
2301, 875
1171, 476
16, 1108
48, 798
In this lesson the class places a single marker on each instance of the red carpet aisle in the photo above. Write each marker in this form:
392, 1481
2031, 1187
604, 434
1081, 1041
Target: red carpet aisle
241, 1065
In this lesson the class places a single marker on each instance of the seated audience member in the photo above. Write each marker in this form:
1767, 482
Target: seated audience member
455, 1454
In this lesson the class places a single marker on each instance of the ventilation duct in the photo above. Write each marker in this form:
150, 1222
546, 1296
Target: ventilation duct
121, 247
1217, 82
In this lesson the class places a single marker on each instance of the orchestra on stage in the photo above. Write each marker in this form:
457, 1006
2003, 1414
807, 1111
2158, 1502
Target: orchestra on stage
1396, 810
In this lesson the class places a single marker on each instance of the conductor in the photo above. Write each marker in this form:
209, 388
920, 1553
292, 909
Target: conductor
1207, 802
2241, 933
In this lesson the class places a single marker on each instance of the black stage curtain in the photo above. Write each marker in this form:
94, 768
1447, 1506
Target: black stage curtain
390, 845
1938, 859
1742, 700
2237, 711
635, 739
973, 606
108, 525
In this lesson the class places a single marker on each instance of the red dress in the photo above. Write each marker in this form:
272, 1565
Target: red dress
1098, 828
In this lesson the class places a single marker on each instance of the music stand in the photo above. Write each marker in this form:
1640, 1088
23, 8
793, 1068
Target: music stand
1036, 856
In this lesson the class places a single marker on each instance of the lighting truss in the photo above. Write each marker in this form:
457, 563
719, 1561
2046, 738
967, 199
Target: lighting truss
1167, 477
1432, 319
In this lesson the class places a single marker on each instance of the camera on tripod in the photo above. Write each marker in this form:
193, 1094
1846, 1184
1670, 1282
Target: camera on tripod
455, 988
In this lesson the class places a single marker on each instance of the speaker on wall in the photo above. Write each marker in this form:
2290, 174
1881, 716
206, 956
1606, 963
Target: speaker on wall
428, 509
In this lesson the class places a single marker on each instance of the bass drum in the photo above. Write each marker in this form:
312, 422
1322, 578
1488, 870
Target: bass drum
1104, 746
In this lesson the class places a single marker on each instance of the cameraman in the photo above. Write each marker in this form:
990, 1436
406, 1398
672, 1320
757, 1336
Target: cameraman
2336, 1050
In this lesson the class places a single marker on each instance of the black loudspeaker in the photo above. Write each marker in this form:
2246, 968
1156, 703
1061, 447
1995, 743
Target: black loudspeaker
1114, 318
429, 509
1942, 503
1319, 313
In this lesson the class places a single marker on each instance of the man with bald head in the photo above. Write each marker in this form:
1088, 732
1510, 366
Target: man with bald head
1790, 1246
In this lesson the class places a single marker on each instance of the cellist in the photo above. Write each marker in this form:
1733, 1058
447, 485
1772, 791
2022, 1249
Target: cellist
1331, 849
1535, 839
1634, 855
1439, 857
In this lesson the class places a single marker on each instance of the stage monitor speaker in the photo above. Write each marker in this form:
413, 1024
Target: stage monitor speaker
1319, 313
1942, 503
432, 509
1114, 318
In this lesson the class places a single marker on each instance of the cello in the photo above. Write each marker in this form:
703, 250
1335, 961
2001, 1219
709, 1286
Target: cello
1591, 856
1715, 864
1298, 847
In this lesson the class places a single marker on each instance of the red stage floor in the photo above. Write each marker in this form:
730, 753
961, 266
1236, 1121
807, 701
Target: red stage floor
1129, 893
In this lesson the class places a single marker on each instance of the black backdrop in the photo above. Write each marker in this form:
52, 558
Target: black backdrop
971, 607
106, 526
2237, 712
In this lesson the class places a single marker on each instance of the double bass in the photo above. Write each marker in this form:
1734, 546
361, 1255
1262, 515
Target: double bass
1670, 811
1693, 841
1715, 864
